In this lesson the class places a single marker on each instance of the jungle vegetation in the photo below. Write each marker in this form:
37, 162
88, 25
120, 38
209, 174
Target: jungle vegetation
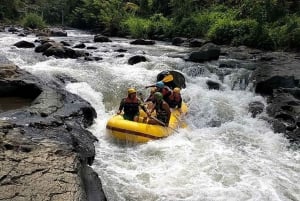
264, 24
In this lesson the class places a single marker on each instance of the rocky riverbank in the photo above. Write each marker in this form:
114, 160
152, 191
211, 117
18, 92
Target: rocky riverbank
46, 152
276, 76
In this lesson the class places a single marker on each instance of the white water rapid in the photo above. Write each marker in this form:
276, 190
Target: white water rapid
239, 159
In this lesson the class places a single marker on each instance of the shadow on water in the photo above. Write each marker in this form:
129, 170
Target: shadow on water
13, 102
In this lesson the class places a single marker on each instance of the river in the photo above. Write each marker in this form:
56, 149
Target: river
239, 159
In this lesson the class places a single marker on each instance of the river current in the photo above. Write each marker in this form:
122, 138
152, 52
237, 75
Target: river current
223, 155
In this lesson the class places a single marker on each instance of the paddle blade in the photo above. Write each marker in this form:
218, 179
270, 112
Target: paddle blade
168, 78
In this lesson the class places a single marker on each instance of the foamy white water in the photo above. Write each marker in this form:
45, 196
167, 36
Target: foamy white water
240, 159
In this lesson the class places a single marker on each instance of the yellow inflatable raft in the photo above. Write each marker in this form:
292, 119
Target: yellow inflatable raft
141, 132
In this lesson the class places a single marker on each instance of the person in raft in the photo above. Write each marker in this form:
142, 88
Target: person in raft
151, 96
162, 88
175, 99
163, 112
131, 105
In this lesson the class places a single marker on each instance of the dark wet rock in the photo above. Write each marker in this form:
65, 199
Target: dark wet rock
58, 32
91, 58
101, 39
121, 50
45, 142
178, 41
207, 52
120, 55
136, 59
142, 42
241, 53
60, 51
63, 78
65, 43
284, 72
43, 40
197, 42
91, 48
44, 46
80, 45
24, 44
256, 108
213, 85
13, 29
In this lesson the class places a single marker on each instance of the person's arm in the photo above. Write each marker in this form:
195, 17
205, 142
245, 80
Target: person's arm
153, 108
166, 107
142, 105
153, 85
121, 106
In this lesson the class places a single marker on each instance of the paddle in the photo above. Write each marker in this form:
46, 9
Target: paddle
168, 78
163, 124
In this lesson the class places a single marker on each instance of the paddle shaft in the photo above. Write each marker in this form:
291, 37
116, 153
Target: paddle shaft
163, 124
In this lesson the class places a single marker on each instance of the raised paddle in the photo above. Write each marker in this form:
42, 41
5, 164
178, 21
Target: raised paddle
163, 124
168, 78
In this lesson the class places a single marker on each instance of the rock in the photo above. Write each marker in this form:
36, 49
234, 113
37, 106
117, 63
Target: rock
206, 53
142, 42
178, 41
196, 42
213, 85
80, 45
45, 150
282, 72
256, 108
24, 44
58, 32
136, 59
101, 39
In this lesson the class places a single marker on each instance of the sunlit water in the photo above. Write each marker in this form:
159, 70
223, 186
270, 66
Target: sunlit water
241, 159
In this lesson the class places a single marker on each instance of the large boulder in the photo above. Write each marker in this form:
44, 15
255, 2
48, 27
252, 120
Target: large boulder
277, 76
45, 150
24, 44
207, 52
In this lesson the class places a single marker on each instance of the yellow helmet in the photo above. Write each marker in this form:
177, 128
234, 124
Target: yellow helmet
131, 91
176, 90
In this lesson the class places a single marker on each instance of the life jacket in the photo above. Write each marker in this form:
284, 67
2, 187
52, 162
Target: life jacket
174, 101
131, 106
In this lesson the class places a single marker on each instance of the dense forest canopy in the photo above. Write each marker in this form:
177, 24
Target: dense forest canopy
267, 24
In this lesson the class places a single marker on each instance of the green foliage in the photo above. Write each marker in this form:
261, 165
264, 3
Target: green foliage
240, 32
137, 27
285, 32
263, 10
102, 14
147, 28
160, 25
33, 21
256, 23
198, 24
